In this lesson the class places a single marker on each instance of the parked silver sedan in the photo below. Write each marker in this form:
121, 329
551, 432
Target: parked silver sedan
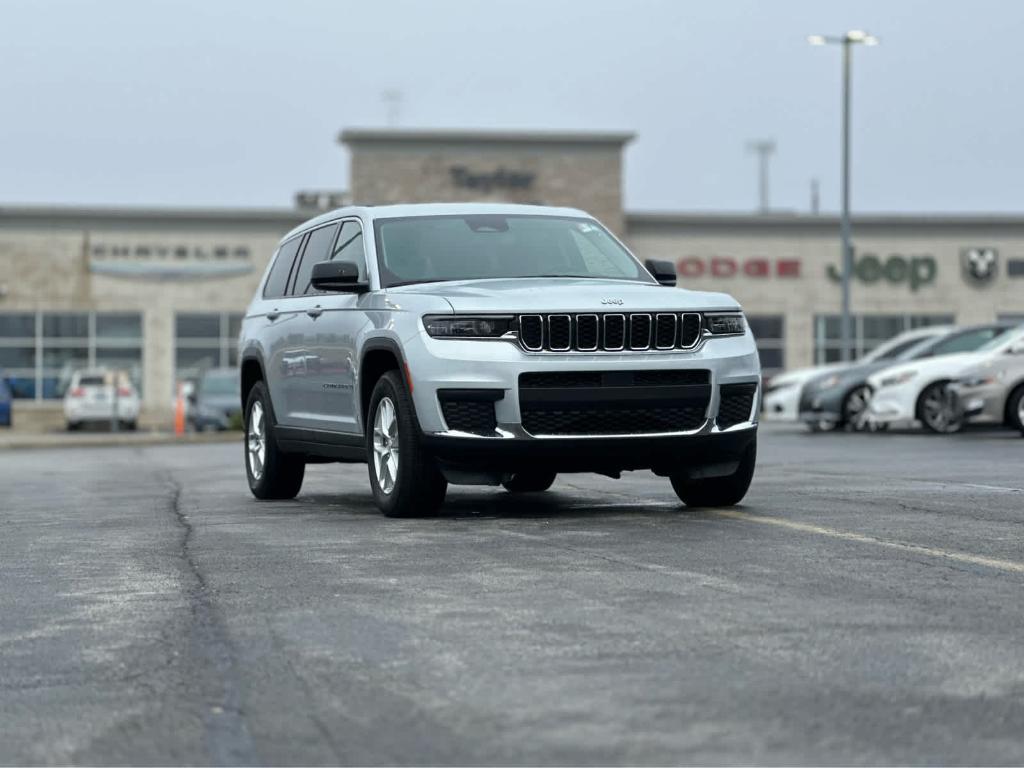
992, 391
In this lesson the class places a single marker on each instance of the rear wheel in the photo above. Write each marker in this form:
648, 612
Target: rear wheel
272, 473
937, 409
530, 482
404, 478
718, 491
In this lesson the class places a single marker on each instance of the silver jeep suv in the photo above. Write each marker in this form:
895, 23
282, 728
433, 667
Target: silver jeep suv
490, 344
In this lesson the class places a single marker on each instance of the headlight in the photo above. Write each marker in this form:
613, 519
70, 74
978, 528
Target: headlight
463, 327
982, 381
730, 324
899, 378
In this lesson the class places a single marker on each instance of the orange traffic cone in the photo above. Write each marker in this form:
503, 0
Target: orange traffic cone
179, 410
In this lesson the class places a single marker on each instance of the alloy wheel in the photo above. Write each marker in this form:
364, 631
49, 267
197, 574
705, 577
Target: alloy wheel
257, 440
938, 409
385, 445
855, 408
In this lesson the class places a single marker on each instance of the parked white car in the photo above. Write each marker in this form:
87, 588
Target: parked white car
919, 390
782, 392
101, 397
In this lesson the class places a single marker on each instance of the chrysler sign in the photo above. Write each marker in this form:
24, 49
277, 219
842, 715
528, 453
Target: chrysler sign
169, 262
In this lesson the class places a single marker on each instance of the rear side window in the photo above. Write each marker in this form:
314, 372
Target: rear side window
91, 381
278, 277
317, 249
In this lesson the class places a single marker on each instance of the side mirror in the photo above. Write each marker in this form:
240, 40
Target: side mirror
337, 276
662, 271
1017, 348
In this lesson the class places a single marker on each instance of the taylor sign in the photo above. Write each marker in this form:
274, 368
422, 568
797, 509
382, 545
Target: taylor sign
169, 262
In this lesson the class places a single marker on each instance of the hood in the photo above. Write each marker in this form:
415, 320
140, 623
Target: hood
566, 294
933, 368
803, 375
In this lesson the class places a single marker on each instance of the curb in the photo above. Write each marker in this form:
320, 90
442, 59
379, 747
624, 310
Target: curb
100, 440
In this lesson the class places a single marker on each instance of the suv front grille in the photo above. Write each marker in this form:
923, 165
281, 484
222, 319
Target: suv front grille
610, 332
736, 403
613, 402
613, 421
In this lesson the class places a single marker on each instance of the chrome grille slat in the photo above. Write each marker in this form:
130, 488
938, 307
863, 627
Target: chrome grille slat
639, 332
610, 331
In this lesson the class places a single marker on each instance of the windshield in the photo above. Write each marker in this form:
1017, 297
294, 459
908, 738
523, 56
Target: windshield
895, 347
219, 385
423, 249
1010, 334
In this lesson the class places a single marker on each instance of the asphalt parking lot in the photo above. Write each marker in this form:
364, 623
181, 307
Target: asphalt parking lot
864, 605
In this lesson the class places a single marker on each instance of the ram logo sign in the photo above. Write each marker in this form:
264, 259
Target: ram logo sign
979, 264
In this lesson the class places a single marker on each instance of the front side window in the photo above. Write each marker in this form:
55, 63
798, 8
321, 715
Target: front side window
349, 247
425, 249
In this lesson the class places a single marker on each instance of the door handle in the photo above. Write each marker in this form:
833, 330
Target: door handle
315, 312
273, 314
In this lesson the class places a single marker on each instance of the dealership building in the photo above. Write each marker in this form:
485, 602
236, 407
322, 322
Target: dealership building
161, 292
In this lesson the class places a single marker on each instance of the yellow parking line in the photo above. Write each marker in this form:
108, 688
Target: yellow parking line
819, 530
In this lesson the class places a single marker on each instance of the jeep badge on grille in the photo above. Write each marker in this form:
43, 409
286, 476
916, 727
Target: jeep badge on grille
612, 301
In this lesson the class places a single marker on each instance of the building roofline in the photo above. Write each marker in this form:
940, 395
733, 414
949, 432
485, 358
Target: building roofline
461, 136
793, 220
41, 214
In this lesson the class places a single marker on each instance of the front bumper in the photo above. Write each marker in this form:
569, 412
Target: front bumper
894, 404
782, 404
985, 404
496, 366
820, 405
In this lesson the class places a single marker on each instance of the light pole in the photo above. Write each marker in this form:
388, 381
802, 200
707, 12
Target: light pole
851, 38
764, 150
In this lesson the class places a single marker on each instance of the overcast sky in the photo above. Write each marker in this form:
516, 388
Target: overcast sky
200, 102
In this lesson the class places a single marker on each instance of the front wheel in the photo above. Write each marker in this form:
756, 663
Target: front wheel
855, 408
529, 482
1015, 409
718, 491
404, 478
272, 473
937, 409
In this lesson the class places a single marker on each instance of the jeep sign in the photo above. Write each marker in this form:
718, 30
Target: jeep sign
914, 271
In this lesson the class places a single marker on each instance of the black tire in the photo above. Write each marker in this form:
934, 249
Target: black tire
718, 491
530, 482
854, 408
419, 487
945, 420
281, 473
1015, 409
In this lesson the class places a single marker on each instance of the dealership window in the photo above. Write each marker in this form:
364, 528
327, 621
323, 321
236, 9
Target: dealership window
205, 340
769, 332
39, 351
868, 332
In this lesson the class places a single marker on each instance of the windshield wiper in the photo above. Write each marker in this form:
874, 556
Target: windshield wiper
417, 282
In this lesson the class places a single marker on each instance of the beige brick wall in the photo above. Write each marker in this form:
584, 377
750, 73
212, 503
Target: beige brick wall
578, 176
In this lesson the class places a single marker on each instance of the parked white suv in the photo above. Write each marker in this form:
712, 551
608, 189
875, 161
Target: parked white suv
101, 396
487, 344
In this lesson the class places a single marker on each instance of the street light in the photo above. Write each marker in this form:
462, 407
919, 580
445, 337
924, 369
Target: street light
851, 38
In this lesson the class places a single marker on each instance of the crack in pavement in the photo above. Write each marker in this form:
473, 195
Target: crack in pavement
210, 663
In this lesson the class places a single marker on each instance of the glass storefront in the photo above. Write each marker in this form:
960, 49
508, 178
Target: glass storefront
205, 340
39, 351
868, 332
